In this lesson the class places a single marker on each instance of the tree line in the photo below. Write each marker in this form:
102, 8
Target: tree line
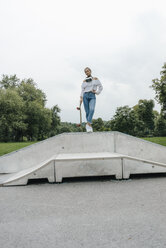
140, 120
24, 115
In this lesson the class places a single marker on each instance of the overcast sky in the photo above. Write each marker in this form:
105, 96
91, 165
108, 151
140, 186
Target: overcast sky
123, 42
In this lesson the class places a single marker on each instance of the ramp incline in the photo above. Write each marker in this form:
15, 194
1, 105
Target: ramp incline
82, 154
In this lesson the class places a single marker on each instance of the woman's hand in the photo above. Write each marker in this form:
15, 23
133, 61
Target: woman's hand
81, 99
94, 91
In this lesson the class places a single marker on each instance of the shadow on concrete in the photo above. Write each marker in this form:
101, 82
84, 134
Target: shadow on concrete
149, 175
38, 181
97, 178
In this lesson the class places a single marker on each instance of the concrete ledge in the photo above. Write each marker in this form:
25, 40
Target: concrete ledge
95, 167
87, 155
69, 165
88, 164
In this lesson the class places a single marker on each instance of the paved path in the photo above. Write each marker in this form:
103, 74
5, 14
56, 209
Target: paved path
98, 213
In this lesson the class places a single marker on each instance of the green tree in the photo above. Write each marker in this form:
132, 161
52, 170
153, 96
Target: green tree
98, 124
12, 117
9, 82
29, 92
145, 113
123, 120
38, 120
55, 110
64, 129
38, 117
126, 120
107, 125
26, 114
159, 86
160, 126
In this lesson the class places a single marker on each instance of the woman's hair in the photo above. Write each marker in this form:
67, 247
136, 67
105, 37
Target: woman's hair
87, 68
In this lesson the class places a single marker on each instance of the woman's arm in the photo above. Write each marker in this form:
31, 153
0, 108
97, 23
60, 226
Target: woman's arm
99, 85
82, 91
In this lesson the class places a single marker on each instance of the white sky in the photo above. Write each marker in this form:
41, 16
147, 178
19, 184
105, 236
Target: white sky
123, 42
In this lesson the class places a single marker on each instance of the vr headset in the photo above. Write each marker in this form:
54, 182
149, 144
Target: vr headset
88, 79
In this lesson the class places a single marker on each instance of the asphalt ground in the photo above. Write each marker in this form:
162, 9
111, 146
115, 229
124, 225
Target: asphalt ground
98, 212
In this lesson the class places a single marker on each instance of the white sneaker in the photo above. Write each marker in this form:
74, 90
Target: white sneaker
91, 129
88, 128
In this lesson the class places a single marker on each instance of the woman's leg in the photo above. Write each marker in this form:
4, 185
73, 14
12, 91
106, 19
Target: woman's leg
92, 104
86, 105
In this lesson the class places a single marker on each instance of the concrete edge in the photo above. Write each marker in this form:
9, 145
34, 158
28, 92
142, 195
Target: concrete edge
137, 138
53, 137
84, 133
32, 170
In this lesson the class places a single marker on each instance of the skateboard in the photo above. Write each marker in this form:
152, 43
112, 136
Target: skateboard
79, 108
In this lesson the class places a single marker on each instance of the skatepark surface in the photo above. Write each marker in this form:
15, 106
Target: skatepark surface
82, 154
96, 212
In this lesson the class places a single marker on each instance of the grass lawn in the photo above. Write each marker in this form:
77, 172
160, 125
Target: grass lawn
158, 140
13, 146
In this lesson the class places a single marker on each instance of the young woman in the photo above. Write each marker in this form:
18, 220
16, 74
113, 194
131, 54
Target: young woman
90, 87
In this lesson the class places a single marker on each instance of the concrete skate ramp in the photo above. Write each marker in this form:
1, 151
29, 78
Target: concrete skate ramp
83, 164
63, 143
43, 170
136, 147
83, 154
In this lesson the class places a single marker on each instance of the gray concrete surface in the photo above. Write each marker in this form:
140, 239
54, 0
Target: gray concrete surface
29, 162
81, 142
43, 170
81, 165
136, 147
92, 213
32, 155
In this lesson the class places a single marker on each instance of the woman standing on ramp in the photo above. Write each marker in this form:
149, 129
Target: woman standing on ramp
88, 96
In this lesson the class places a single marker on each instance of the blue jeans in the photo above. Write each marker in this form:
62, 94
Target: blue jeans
89, 100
